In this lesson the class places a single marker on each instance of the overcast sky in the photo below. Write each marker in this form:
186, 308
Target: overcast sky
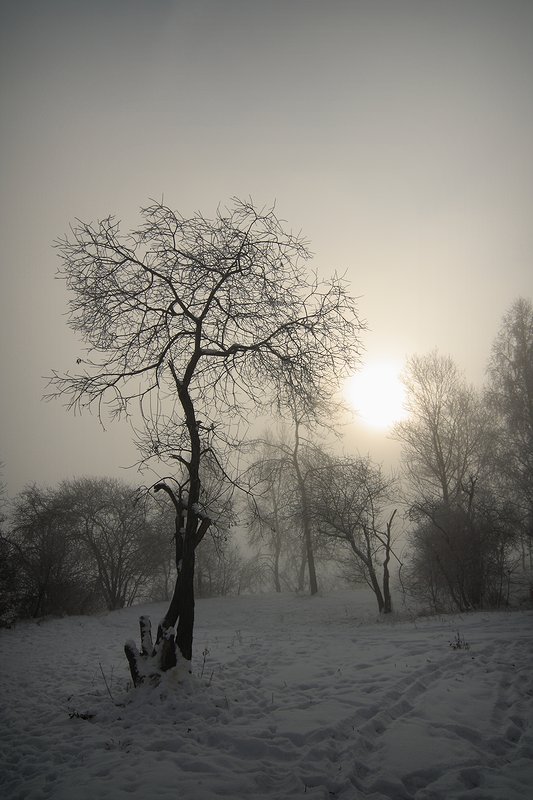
398, 136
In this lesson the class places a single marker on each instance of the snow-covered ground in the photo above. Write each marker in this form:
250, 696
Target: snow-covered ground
290, 697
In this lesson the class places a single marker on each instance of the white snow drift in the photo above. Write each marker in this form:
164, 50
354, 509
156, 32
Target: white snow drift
290, 697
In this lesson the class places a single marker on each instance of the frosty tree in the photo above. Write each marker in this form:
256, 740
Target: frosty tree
198, 324
510, 395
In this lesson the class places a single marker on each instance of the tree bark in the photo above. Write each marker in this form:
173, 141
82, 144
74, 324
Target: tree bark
387, 607
306, 521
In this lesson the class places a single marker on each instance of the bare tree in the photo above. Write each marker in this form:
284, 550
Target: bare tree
445, 438
220, 568
52, 573
289, 459
351, 505
295, 455
464, 557
448, 442
160, 516
198, 322
280, 516
110, 520
267, 516
7, 573
86, 544
510, 397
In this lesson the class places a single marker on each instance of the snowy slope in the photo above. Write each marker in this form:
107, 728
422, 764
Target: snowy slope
299, 697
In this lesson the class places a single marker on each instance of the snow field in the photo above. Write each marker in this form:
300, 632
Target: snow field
290, 697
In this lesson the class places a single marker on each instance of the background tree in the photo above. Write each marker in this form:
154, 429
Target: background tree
196, 322
300, 466
351, 505
222, 569
277, 500
285, 508
8, 567
463, 557
161, 519
510, 396
52, 572
267, 517
448, 440
110, 520
9, 599
445, 436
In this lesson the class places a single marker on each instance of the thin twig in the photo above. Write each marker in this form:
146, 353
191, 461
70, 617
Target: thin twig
107, 685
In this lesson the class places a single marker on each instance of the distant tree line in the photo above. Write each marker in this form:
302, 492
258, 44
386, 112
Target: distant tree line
468, 474
311, 507
465, 494
465, 490
96, 543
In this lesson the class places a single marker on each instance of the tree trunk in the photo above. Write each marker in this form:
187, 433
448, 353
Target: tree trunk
313, 584
387, 599
301, 571
181, 608
376, 587
277, 583
306, 522
387, 607
184, 634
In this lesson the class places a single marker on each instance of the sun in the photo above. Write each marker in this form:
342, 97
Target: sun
377, 394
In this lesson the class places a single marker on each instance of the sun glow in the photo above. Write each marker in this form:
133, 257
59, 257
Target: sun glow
377, 394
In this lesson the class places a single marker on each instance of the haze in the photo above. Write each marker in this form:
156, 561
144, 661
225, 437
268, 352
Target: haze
396, 135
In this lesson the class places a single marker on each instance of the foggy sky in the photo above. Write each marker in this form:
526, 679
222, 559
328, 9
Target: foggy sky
396, 135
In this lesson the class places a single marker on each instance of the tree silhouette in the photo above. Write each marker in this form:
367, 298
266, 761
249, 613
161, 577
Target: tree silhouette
199, 323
